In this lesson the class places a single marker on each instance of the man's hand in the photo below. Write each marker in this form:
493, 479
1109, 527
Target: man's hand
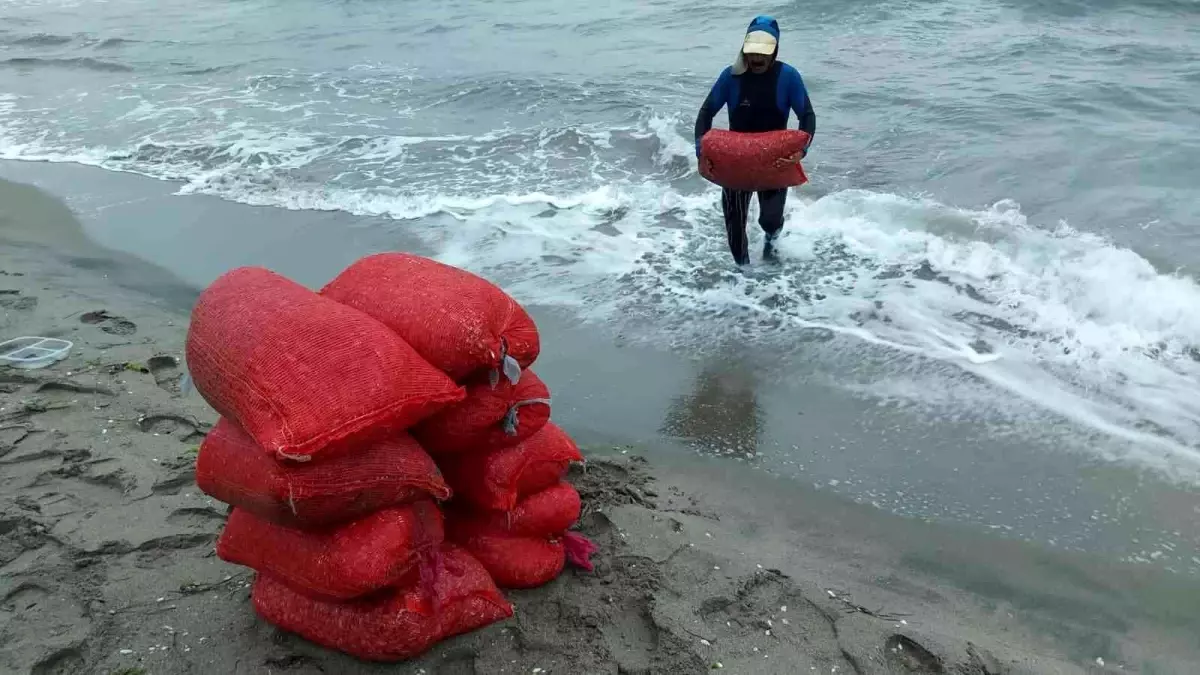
794, 159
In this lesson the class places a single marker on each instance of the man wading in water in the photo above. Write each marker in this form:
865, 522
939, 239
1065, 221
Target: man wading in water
760, 91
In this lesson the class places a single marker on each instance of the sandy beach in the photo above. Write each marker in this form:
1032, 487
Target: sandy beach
107, 562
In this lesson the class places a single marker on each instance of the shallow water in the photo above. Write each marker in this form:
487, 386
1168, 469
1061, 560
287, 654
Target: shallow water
988, 289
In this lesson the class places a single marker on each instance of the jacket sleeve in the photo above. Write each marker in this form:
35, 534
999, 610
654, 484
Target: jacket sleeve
801, 105
712, 105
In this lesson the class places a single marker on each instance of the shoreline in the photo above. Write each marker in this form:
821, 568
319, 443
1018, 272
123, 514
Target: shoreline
811, 412
109, 563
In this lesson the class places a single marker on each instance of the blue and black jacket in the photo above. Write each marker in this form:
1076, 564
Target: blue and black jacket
759, 102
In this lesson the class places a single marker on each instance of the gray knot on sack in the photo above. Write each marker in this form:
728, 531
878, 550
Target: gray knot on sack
511, 421
508, 366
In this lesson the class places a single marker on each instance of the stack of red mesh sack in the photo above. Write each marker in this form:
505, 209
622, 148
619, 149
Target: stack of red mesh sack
503, 458
334, 407
335, 504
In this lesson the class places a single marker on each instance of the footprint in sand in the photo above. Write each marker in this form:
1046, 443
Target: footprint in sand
66, 389
203, 518
758, 597
113, 325
47, 625
908, 655
11, 435
181, 472
60, 662
19, 534
165, 370
12, 299
79, 466
166, 424
93, 318
173, 484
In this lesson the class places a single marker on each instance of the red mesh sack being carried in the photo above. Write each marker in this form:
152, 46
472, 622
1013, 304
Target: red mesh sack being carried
396, 624
378, 551
489, 417
458, 321
301, 374
496, 479
234, 470
543, 514
747, 161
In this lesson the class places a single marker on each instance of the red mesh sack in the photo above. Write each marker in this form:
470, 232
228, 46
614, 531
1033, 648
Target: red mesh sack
378, 551
497, 479
234, 470
747, 161
518, 562
460, 322
489, 417
302, 374
393, 625
542, 514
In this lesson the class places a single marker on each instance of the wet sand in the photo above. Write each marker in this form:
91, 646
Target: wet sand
106, 561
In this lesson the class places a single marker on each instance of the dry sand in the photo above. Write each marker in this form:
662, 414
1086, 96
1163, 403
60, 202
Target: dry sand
107, 562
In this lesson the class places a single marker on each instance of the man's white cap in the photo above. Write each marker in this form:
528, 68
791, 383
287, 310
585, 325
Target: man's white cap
756, 42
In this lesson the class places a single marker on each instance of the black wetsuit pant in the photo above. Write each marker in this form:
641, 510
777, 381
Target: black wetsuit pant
735, 204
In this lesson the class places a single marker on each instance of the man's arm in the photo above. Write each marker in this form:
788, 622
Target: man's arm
712, 105
801, 104
808, 119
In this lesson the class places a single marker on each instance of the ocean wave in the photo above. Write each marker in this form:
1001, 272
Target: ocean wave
77, 63
223, 154
114, 43
38, 40
1075, 8
55, 40
210, 70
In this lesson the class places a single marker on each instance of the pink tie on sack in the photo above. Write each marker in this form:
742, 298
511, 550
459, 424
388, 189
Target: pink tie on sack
579, 550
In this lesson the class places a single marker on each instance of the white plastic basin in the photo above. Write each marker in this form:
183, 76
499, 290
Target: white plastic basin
30, 353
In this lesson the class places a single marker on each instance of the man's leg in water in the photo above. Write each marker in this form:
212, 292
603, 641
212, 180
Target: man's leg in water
770, 218
735, 204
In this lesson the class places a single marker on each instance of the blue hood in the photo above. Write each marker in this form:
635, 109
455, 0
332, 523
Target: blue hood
765, 23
